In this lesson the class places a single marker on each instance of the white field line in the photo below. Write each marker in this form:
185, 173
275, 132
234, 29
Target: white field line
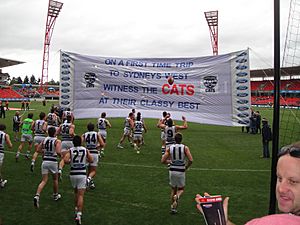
192, 168
163, 167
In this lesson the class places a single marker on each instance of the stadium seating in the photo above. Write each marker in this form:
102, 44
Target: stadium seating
269, 85
293, 85
9, 93
289, 88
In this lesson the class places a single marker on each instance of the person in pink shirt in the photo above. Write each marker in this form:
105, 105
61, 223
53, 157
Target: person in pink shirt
287, 190
276, 219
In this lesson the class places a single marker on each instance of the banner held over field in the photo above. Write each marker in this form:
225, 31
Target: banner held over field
210, 90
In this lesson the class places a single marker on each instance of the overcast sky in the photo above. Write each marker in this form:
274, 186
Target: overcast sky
136, 28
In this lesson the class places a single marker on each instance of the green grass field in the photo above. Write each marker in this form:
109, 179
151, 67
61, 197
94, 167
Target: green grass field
133, 189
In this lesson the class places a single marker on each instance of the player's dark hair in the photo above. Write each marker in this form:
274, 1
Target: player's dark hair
103, 115
130, 114
52, 110
170, 122
2, 127
69, 118
138, 116
77, 141
90, 126
30, 115
164, 113
42, 115
51, 131
178, 138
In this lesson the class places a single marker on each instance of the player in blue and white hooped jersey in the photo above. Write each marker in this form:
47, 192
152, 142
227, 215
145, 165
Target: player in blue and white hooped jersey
67, 112
40, 130
52, 119
50, 149
129, 123
170, 130
180, 159
103, 124
16, 125
93, 142
4, 139
138, 128
78, 157
163, 120
67, 131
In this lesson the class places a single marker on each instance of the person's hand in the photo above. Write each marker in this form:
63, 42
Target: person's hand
197, 199
32, 167
225, 206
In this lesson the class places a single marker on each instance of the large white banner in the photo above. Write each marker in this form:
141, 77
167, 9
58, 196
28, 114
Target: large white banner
210, 90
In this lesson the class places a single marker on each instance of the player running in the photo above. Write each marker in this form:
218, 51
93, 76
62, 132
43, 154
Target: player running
4, 139
52, 119
40, 130
163, 120
129, 124
78, 156
176, 155
50, 148
93, 141
16, 125
103, 124
67, 132
67, 112
138, 128
27, 130
170, 130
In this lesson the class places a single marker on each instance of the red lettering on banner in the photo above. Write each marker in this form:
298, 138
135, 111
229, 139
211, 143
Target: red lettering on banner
180, 89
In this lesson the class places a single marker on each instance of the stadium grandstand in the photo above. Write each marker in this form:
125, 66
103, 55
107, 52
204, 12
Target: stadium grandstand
19, 92
6, 92
262, 87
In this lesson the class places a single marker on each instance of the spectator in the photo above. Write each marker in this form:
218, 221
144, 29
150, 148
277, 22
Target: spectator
253, 124
27, 105
16, 125
266, 138
44, 102
6, 105
287, 190
258, 122
2, 110
23, 105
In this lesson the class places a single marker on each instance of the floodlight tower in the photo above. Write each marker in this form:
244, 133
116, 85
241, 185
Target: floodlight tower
212, 21
54, 8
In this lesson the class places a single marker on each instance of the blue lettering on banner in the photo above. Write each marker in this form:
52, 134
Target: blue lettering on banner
188, 105
149, 90
156, 103
184, 64
142, 75
103, 100
120, 88
124, 101
176, 76
161, 65
133, 63
137, 63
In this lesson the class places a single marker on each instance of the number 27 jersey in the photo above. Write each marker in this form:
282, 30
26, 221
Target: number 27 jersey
78, 160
